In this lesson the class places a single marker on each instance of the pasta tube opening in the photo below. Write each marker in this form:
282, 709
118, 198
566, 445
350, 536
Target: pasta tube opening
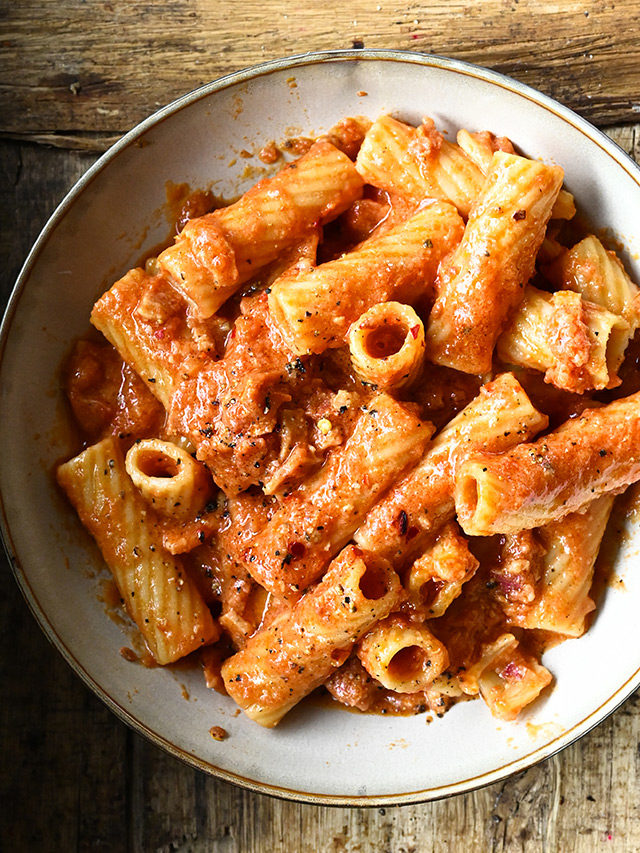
408, 663
168, 477
374, 583
387, 345
383, 341
402, 656
436, 578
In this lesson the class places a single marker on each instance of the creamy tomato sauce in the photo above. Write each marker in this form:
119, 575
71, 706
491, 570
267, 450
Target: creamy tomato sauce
268, 424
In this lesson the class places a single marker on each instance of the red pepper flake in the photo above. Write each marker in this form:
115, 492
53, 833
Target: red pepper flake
296, 549
520, 214
159, 334
402, 522
414, 331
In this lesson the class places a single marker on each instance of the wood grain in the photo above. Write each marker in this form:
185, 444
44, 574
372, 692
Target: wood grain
102, 65
73, 778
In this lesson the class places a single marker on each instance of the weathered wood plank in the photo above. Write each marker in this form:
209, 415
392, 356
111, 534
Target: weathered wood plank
102, 65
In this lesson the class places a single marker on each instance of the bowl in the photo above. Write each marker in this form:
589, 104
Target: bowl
115, 214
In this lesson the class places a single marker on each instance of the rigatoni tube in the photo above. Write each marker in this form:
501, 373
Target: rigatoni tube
315, 521
314, 310
142, 316
507, 678
402, 656
579, 345
155, 588
418, 163
387, 345
481, 147
399, 526
560, 563
216, 253
168, 477
598, 275
481, 283
299, 650
438, 575
534, 484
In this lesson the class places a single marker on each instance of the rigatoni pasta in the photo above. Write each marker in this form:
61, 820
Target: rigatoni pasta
484, 279
300, 648
533, 484
578, 345
500, 417
314, 310
343, 432
387, 345
599, 276
437, 576
315, 521
216, 253
544, 576
168, 477
507, 678
156, 589
402, 656
480, 147
418, 162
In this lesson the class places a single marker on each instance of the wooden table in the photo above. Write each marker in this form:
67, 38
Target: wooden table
75, 74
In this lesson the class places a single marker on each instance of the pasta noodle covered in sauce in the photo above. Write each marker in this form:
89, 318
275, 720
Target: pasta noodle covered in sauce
362, 430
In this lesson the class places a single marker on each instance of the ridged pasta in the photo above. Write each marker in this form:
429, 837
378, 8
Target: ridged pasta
154, 586
301, 647
402, 656
387, 345
480, 147
417, 162
306, 396
217, 252
507, 678
314, 310
498, 418
168, 477
319, 518
533, 484
483, 281
437, 576
143, 341
577, 344
598, 275
561, 562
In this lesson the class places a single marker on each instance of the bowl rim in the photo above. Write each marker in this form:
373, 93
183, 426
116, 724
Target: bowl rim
556, 744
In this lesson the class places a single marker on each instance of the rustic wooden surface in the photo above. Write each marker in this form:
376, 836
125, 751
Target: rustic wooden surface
75, 75
102, 65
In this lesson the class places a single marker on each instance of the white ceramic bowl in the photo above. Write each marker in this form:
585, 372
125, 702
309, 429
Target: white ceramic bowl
115, 213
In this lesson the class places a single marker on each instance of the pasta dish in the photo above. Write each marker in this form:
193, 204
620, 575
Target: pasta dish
362, 429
